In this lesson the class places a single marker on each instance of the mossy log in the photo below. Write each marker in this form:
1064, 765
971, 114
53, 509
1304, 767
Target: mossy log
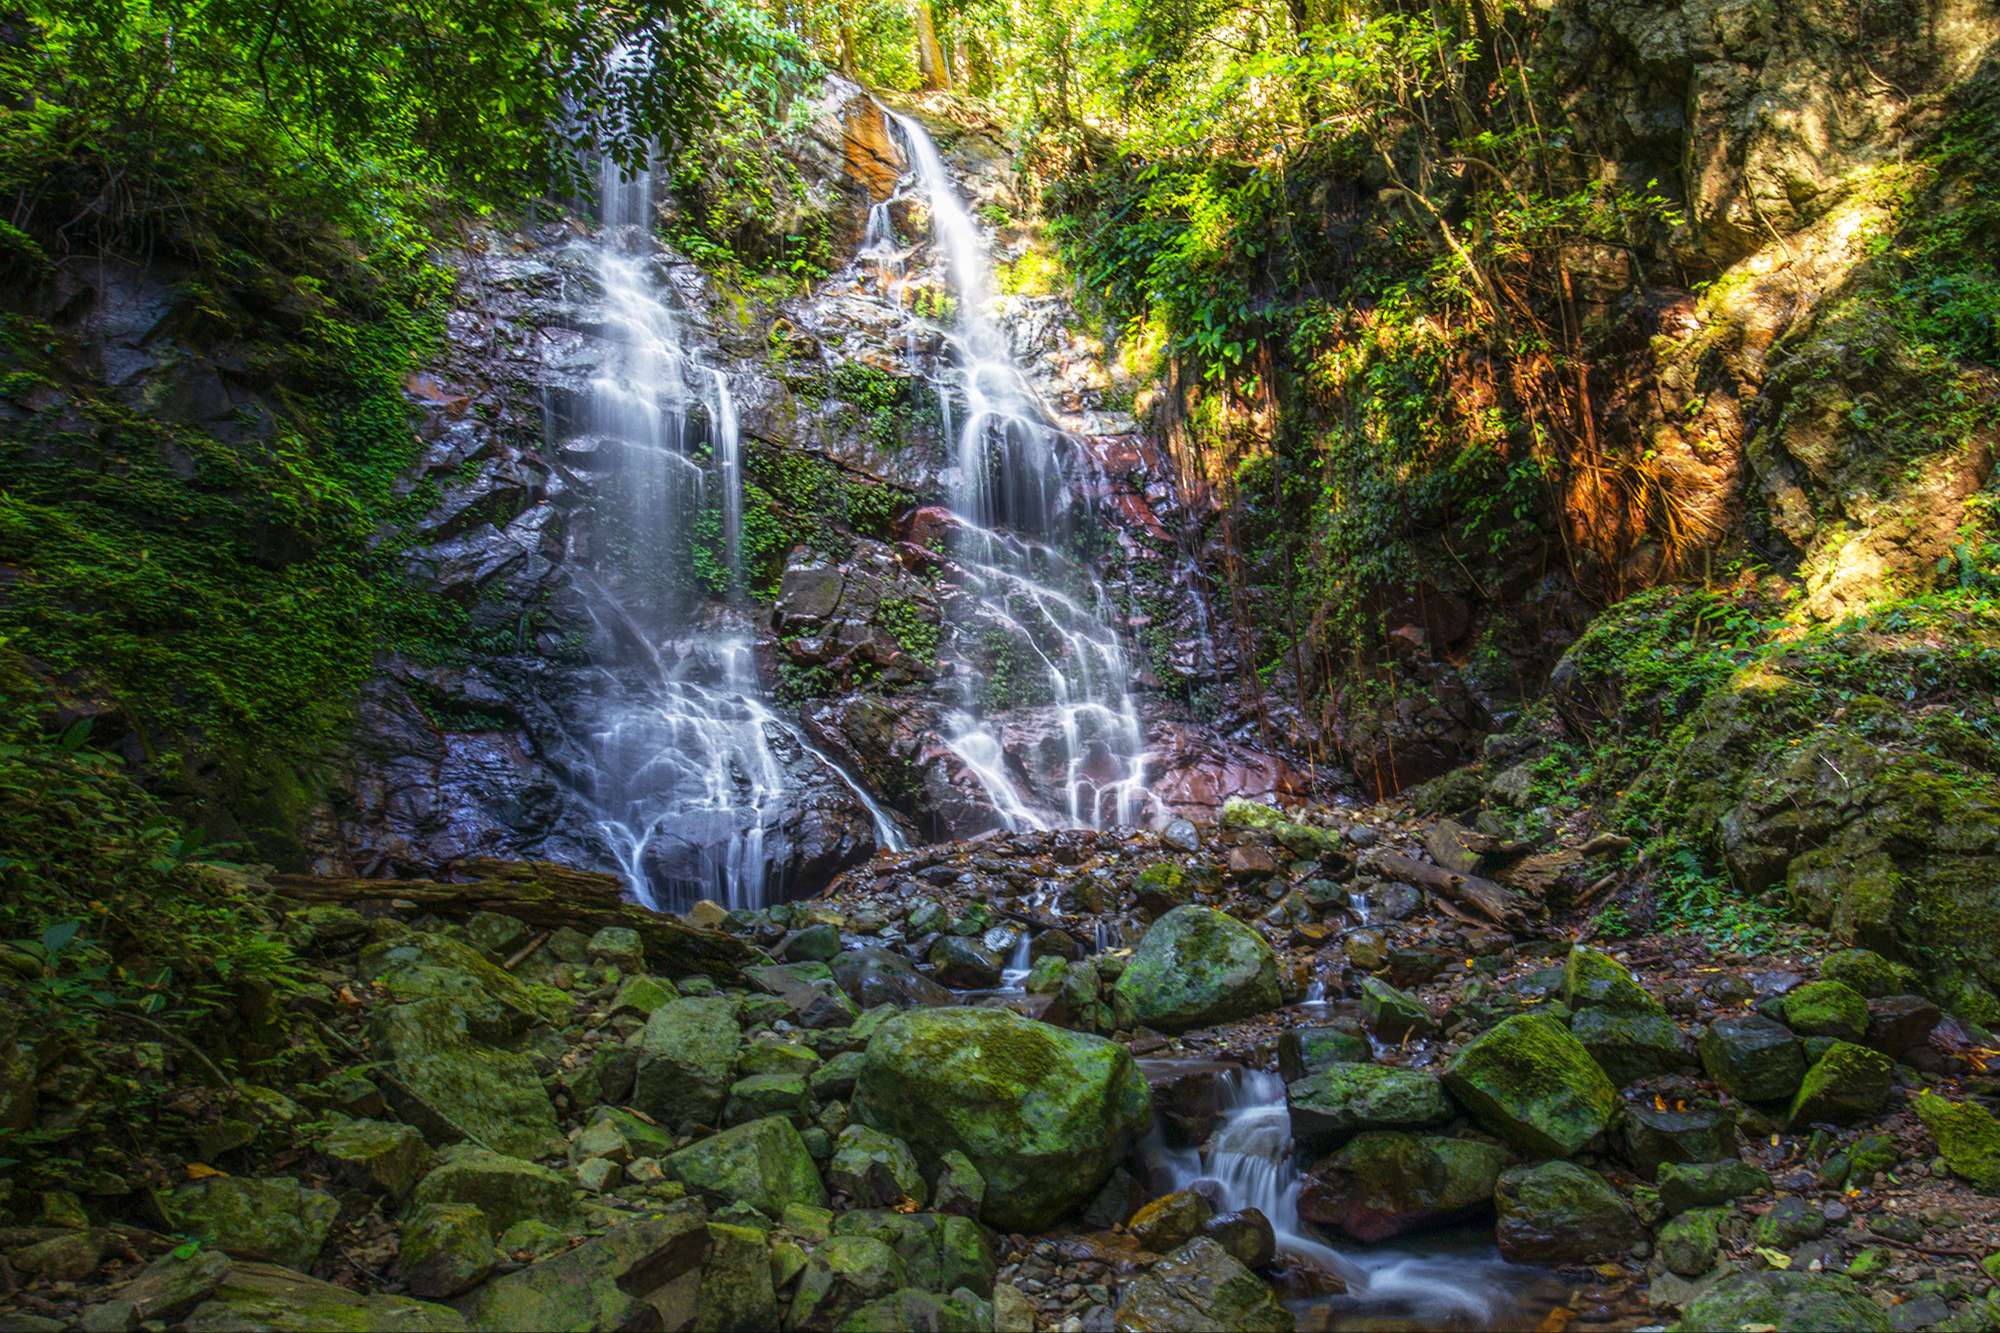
542, 893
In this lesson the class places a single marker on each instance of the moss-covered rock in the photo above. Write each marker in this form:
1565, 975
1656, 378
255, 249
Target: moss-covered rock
496, 1003
1968, 1138
630, 1277
380, 1154
1390, 1013
1753, 1057
1689, 1243
1170, 1221
506, 1189
1197, 967
1700, 1184
940, 1252
841, 1275
273, 1218
446, 1248
736, 1294
1651, 1134
1201, 1286
874, 1169
1593, 980
453, 1087
1529, 1081
1559, 1213
1306, 1051
687, 1060
914, 1309
1868, 973
1333, 1105
760, 1095
764, 1164
1846, 1085
1385, 1183
262, 1296
1787, 1300
1042, 1113
1632, 1044
1827, 1009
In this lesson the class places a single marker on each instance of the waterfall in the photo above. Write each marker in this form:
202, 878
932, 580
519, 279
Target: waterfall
680, 772
1011, 496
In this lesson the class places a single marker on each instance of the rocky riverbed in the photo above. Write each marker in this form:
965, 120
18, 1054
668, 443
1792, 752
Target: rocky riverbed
1236, 1075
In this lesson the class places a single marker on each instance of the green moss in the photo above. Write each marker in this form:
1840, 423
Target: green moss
1529, 1081
1827, 1009
915, 632
1968, 1138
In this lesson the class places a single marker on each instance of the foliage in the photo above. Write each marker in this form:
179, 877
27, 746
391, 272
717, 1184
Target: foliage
915, 632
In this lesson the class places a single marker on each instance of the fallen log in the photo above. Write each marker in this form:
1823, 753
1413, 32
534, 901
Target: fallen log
547, 896
1496, 902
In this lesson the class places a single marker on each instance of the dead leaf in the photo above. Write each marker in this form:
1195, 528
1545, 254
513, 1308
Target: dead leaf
1775, 1258
1556, 1320
202, 1171
907, 1205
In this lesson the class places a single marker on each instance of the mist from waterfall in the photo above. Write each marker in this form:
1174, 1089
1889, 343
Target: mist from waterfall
1012, 497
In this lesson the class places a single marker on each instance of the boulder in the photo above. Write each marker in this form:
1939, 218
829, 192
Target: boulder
267, 1297
1593, 980
874, 1169
1383, 1184
1632, 1044
446, 1248
1391, 1014
1197, 967
274, 1218
807, 990
1868, 973
1753, 1057
452, 1087
1559, 1213
1042, 1113
687, 1060
1649, 1134
1968, 1138
377, 1154
1786, 1300
760, 1095
1899, 1024
642, 1275
1827, 1009
959, 1188
1688, 1244
1529, 1081
764, 1164
1247, 1234
966, 963
1703, 1184
736, 1294
506, 1189
1201, 1286
1304, 1051
842, 1275
939, 1252
1846, 1085
1170, 1221
1332, 1106
879, 976
170, 1285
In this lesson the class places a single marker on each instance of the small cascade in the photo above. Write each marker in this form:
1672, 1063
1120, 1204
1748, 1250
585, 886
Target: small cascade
1015, 976
1248, 1161
680, 768
1015, 545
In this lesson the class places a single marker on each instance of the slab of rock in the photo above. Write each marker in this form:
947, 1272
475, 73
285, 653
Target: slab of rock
874, 1169
688, 1060
1846, 1085
1754, 1057
737, 1294
940, 1252
267, 1297
379, 1154
642, 1275
506, 1189
1042, 1113
453, 1087
1342, 1100
1968, 1138
764, 1164
1559, 1213
1786, 1300
273, 1218
446, 1248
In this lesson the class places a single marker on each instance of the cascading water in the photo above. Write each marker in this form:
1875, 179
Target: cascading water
1248, 1161
681, 771
1011, 497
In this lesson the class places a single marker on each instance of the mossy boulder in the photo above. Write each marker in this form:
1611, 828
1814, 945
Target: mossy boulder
1529, 1081
1868, 973
841, 1275
737, 1294
633, 1276
1786, 1300
1631, 1044
506, 1189
1701, 1184
1197, 967
874, 1169
1385, 1183
453, 1087
274, 1218
687, 1060
1201, 1286
445, 1249
266, 1297
1594, 980
1650, 1134
1392, 1014
940, 1252
1559, 1213
377, 1154
1689, 1244
1753, 1057
1306, 1051
1342, 1100
1042, 1113
497, 1004
1968, 1138
1827, 1009
760, 1095
764, 1164
914, 1309
1847, 1085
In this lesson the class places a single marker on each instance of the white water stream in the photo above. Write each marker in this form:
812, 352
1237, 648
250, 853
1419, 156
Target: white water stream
1249, 1160
1012, 497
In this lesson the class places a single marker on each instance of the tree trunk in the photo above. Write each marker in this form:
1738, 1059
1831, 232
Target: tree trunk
930, 56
